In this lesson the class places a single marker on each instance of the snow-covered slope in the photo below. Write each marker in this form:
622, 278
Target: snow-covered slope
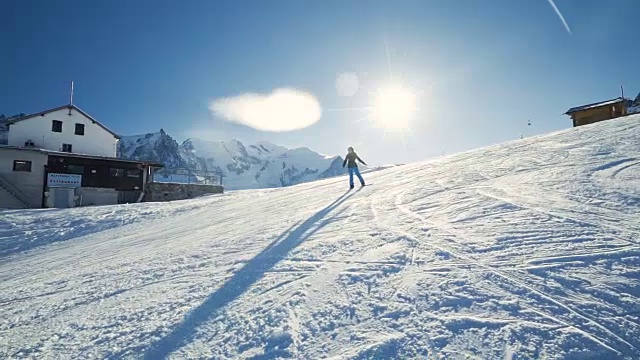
263, 165
527, 250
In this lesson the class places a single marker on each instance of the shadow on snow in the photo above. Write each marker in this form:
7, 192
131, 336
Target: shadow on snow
241, 281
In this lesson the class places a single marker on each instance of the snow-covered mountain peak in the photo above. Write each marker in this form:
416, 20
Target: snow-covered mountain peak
265, 148
156, 146
259, 165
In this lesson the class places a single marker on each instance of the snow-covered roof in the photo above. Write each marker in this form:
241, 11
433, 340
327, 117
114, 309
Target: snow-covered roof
26, 117
595, 105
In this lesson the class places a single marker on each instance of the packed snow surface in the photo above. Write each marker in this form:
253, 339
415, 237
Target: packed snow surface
524, 250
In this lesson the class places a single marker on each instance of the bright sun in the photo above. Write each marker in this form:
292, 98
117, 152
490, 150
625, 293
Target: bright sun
393, 107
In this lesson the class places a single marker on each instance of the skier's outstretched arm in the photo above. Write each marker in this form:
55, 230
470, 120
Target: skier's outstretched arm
358, 157
344, 162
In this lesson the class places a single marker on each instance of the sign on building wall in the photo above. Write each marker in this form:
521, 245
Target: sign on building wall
64, 180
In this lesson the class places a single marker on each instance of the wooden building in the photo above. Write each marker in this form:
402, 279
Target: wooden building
600, 111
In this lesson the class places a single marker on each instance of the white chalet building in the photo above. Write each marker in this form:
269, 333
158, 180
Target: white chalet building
67, 129
63, 157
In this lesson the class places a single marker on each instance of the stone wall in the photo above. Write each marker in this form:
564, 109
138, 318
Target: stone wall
159, 191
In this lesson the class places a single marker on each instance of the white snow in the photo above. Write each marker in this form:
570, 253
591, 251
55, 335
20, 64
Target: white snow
223, 151
529, 249
633, 109
265, 148
304, 157
257, 166
261, 165
130, 143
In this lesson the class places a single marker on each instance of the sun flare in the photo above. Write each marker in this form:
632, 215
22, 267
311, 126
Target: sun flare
393, 107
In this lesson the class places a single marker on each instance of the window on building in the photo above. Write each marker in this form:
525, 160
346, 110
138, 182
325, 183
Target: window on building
66, 147
22, 165
75, 169
116, 172
133, 173
79, 129
56, 126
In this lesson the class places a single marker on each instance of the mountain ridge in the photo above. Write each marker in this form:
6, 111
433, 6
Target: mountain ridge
238, 166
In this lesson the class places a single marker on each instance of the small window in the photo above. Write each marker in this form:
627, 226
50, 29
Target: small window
22, 165
79, 129
116, 172
56, 126
66, 147
133, 173
75, 169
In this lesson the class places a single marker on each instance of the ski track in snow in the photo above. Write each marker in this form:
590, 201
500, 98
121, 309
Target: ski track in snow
529, 249
504, 275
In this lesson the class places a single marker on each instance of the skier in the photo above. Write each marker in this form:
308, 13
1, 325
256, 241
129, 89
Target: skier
353, 166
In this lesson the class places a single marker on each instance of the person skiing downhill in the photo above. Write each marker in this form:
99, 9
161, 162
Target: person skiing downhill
350, 160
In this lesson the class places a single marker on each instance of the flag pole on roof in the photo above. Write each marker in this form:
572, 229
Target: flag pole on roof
71, 96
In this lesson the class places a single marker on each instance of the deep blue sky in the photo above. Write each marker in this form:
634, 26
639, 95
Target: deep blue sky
139, 66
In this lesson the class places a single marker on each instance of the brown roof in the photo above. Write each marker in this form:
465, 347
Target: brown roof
595, 105
84, 156
60, 108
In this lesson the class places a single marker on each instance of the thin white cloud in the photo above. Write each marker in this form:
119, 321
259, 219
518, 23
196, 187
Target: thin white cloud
564, 22
281, 110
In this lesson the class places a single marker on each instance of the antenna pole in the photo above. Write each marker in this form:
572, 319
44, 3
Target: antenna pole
622, 90
71, 96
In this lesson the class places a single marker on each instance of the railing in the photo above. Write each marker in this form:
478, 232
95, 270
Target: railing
5, 184
187, 176
4, 134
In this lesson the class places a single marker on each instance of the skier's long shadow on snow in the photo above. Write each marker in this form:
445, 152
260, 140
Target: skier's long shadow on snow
241, 281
